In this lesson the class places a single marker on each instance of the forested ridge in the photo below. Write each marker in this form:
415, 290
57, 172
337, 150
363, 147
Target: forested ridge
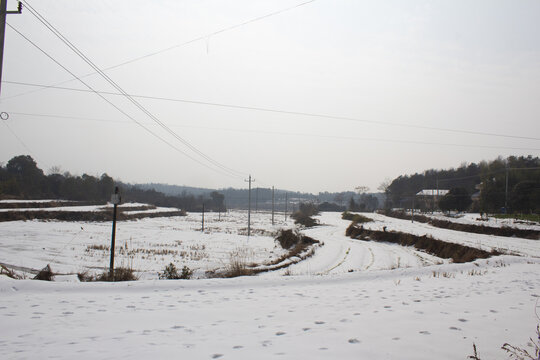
488, 179
22, 179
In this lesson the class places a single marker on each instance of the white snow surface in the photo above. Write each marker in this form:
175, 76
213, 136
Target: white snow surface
351, 300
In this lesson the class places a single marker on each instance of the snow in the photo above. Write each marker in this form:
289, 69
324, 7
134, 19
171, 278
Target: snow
107, 207
476, 219
396, 303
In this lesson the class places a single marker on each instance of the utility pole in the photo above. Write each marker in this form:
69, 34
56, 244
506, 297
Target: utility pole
202, 227
249, 205
115, 200
3, 13
286, 203
506, 190
272, 205
412, 213
437, 189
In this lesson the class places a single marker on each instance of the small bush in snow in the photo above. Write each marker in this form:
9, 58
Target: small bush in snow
45, 274
171, 272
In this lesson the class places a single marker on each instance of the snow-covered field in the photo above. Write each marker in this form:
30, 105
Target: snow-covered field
352, 299
147, 245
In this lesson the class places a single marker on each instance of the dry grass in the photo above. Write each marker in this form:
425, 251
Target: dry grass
9, 273
120, 274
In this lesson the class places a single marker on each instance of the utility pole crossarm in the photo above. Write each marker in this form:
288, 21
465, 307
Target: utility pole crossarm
18, 11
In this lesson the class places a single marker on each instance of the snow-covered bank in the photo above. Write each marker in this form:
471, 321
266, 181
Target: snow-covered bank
399, 314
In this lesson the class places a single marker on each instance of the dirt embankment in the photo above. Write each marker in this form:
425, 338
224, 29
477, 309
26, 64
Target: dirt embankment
471, 228
93, 216
458, 253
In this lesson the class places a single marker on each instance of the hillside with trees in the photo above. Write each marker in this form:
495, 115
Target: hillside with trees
21, 178
513, 183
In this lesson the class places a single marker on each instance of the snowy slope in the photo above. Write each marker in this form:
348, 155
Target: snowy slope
390, 314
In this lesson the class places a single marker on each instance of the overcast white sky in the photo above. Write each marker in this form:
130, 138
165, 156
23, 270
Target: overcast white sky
462, 65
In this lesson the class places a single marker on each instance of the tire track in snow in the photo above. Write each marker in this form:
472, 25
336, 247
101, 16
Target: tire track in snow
338, 264
372, 259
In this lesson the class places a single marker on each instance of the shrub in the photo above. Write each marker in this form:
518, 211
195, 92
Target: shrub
45, 274
171, 272
289, 238
120, 274
356, 218
304, 214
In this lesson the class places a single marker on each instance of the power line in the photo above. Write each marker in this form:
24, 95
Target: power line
112, 104
285, 112
284, 133
200, 38
30, 152
79, 53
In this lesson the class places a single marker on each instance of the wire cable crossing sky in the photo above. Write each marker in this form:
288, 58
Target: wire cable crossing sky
306, 95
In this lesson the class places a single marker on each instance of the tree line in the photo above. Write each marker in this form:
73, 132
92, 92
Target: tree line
511, 185
21, 178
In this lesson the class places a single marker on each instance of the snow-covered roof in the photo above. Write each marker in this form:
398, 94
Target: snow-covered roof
432, 192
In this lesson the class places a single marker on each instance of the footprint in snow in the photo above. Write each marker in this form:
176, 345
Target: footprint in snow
279, 333
216, 356
454, 328
425, 332
266, 343
237, 347
354, 341
463, 320
319, 322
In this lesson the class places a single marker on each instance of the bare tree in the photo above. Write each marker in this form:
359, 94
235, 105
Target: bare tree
361, 189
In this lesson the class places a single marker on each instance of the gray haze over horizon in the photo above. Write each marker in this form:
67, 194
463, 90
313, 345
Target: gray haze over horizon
389, 76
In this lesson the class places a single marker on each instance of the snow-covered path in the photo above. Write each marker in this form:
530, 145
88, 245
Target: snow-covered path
399, 314
341, 254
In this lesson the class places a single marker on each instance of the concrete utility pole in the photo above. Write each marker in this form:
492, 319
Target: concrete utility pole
506, 190
412, 213
3, 13
286, 203
249, 205
202, 226
115, 200
272, 205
